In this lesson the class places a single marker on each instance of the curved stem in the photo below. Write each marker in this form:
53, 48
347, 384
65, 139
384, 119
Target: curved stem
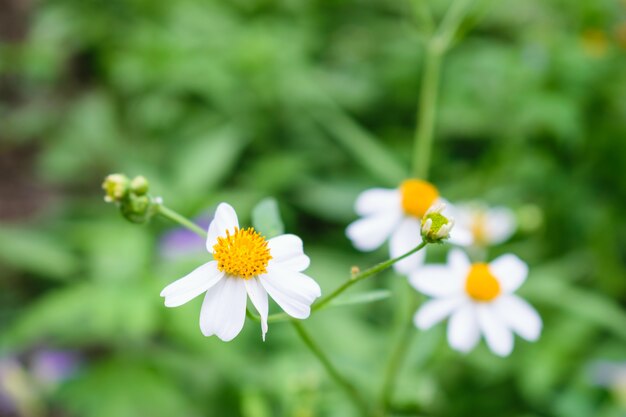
182, 220
324, 302
362, 275
347, 386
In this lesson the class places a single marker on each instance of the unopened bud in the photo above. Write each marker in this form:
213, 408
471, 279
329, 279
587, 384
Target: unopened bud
115, 187
131, 197
139, 185
435, 226
139, 208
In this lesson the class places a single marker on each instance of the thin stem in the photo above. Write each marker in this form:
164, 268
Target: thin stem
424, 135
182, 220
347, 386
398, 356
426, 112
324, 302
427, 108
362, 275
450, 23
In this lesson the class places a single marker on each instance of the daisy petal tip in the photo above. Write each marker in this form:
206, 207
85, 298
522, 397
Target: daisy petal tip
226, 338
504, 353
420, 322
168, 303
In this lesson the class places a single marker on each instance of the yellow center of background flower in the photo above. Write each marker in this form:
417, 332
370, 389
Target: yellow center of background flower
479, 222
244, 254
481, 285
417, 197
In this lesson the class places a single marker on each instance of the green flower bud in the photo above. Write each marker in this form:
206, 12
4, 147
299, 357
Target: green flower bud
139, 185
139, 208
116, 187
435, 226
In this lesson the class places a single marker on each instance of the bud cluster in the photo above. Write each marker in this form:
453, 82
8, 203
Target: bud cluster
131, 196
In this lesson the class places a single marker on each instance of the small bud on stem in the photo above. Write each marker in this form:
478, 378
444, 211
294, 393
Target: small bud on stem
131, 197
435, 226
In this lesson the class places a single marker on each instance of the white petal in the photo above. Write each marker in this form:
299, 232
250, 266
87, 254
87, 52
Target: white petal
463, 214
463, 330
191, 285
225, 219
436, 280
369, 233
520, 316
293, 291
499, 338
510, 271
287, 252
406, 237
460, 234
258, 296
459, 262
223, 311
433, 311
377, 200
500, 224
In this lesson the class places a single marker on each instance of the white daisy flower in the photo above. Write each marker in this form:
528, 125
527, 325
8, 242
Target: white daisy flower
245, 265
396, 214
479, 299
487, 225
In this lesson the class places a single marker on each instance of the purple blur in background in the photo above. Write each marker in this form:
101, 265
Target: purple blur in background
52, 366
181, 242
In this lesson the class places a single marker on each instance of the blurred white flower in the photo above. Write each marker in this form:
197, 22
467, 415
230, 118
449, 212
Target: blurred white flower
479, 299
486, 225
396, 214
245, 265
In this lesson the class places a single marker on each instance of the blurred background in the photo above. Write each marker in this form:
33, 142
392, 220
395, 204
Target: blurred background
310, 102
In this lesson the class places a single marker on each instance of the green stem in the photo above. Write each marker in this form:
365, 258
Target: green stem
182, 220
398, 355
324, 302
362, 275
427, 112
436, 48
347, 386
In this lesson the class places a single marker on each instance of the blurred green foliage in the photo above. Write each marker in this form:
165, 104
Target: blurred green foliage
309, 102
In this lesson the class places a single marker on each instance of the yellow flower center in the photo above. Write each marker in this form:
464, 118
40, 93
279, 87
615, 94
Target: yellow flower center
481, 285
417, 197
243, 254
478, 228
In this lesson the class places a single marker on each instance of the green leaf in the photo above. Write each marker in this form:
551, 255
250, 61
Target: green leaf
361, 145
36, 253
266, 218
86, 314
129, 388
202, 163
